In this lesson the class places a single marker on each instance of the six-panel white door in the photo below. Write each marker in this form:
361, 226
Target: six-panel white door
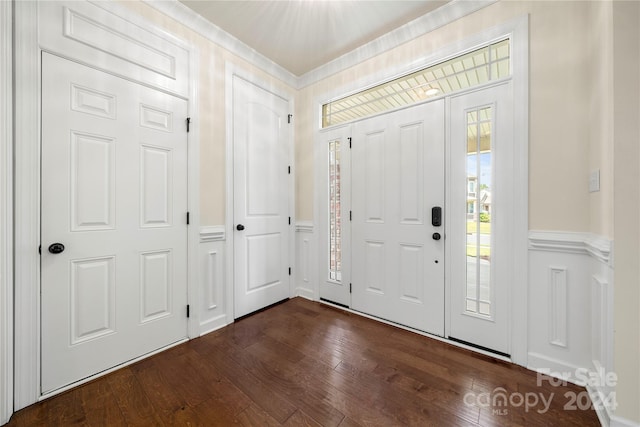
114, 193
397, 165
261, 197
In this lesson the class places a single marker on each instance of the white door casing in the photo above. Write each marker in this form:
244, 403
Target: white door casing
333, 289
6, 211
397, 165
261, 175
114, 192
495, 281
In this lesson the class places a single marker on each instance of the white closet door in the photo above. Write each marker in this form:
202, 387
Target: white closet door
261, 197
114, 193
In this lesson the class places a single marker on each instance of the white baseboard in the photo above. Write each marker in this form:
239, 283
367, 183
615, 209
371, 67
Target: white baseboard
622, 422
552, 367
213, 324
305, 293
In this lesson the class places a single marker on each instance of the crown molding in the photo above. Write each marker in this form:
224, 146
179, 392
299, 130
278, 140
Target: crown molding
428, 22
181, 13
440, 17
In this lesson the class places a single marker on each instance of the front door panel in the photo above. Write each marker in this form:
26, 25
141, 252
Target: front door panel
397, 164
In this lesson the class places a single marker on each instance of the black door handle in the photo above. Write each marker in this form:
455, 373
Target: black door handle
436, 236
56, 248
239, 227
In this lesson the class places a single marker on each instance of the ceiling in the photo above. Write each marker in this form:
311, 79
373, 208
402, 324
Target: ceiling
301, 35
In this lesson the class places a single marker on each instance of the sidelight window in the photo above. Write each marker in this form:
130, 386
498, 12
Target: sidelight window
479, 208
335, 213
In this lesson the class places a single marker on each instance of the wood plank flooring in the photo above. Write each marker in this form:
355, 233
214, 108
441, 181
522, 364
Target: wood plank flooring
302, 363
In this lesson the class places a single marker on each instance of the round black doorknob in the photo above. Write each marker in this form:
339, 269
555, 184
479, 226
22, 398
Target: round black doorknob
436, 236
56, 248
239, 227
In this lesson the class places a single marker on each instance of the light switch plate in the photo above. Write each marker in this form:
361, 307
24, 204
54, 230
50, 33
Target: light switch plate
594, 181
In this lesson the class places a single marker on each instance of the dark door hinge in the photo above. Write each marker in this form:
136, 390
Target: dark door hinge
349, 142
40, 249
289, 169
350, 288
289, 220
289, 117
188, 311
188, 123
350, 216
187, 218
289, 271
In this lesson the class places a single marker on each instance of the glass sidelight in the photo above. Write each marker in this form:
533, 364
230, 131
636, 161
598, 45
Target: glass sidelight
479, 211
335, 238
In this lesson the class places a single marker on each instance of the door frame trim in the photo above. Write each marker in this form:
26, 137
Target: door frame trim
232, 70
6, 212
27, 72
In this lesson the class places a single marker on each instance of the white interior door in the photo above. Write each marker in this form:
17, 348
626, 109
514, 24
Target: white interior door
397, 165
114, 193
480, 203
261, 197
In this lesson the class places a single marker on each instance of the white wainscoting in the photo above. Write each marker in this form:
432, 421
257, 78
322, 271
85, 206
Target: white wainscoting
571, 310
211, 305
305, 270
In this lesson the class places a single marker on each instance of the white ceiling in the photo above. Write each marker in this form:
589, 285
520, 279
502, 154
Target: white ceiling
301, 35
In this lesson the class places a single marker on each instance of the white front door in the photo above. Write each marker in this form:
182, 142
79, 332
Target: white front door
114, 193
261, 197
480, 196
397, 165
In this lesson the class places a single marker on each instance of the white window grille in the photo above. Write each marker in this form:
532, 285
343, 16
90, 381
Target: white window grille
471, 69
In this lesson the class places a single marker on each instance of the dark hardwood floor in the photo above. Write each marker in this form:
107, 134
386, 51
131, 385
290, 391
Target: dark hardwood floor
302, 363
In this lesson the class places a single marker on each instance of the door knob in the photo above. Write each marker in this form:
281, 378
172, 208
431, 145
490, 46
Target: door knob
56, 248
239, 227
436, 236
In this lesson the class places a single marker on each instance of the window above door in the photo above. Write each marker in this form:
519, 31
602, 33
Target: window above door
463, 71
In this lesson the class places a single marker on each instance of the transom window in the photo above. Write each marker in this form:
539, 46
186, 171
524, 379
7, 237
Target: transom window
471, 69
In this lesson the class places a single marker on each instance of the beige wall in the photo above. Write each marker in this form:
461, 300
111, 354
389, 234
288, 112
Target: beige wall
601, 115
626, 142
212, 115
